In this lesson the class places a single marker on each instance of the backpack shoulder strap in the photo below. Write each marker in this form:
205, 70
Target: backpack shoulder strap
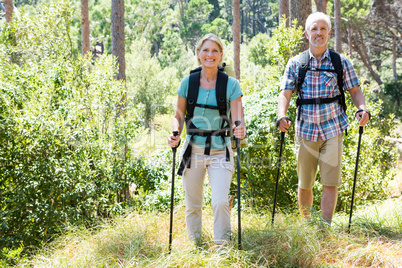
192, 94
221, 91
336, 61
303, 67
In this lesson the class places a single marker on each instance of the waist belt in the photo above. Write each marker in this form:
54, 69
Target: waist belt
300, 102
193, 131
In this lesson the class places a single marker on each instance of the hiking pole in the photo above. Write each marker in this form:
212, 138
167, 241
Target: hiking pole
282, 138
354, 181
237, 123
175, 133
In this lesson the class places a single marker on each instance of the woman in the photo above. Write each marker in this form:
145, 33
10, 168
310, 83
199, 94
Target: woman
201, 153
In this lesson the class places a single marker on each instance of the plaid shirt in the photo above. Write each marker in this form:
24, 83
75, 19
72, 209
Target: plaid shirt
320, 120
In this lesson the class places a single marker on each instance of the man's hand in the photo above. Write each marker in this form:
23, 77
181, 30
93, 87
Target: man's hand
362, 116
283, 123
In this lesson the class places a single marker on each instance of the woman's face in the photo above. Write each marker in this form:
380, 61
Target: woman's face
210, 54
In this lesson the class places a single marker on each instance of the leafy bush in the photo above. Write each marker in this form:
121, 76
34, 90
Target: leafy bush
63, 146
148, 83
392, 97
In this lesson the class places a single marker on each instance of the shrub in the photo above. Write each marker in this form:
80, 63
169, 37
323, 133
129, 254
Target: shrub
64, 157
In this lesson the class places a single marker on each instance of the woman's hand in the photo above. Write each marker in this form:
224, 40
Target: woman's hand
239, 132
174, 141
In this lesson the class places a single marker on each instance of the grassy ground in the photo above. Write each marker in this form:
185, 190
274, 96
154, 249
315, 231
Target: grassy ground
141, 240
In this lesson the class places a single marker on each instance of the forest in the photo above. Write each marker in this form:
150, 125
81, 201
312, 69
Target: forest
88, 94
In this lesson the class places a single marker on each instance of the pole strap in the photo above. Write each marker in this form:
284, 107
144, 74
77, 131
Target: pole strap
364, 110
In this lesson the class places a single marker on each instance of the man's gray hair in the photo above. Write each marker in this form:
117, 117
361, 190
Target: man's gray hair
317, 16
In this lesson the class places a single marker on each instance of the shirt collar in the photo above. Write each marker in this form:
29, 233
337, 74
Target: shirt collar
326, 54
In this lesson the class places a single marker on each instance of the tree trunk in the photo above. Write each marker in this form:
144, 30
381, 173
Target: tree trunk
284, 11
242, 21
118, 47
182, 6
321, 5
119, 51
84, 26
236, 37
394, 56
254, 18
300, 9
349, 37
337, 26
9, 9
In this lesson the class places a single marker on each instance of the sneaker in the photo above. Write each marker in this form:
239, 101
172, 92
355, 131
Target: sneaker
220, 250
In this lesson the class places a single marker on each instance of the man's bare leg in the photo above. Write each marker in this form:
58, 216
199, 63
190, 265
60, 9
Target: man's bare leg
305, 197
328, 202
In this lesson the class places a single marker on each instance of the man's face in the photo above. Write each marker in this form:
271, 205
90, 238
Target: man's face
318, 33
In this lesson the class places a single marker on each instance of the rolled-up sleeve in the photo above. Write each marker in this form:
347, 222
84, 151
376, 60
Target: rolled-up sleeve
350, 79
290, 76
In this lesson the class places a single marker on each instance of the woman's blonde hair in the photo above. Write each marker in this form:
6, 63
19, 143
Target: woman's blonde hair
211, 37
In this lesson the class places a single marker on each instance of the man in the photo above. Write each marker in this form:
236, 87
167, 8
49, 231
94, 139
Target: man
321, 118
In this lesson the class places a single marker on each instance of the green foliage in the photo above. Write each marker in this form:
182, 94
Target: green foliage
261, 155
278, 49
148, 83
63, 148
11, 256
195, 17
393, 93
218, 26
175, 54
356, 9
258, 49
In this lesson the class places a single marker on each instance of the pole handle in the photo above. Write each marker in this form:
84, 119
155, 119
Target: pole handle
175, 133
282, 136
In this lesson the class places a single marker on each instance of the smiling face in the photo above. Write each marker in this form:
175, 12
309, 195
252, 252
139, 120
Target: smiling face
318, 33
210, 54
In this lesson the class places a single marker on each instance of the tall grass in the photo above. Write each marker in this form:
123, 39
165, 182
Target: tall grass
141, 240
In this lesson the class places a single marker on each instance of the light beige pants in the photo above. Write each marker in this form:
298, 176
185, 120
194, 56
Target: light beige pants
220, 174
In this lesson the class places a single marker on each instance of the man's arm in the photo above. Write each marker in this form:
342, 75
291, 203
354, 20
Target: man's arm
283, 106
358, 99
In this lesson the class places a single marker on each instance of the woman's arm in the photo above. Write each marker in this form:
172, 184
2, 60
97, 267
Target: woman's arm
178, 121
236, 108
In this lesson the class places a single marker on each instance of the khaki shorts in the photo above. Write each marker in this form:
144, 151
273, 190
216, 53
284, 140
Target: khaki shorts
327, 154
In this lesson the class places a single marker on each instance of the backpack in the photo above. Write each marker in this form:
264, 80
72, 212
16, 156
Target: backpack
304, 67
192, 130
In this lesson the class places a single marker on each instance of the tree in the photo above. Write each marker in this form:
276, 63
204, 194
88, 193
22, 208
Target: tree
236, 37
194, 18
300, 9
386, 16
9, 9
321, 5
118, 37
284, 10
84, 26
337, 26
